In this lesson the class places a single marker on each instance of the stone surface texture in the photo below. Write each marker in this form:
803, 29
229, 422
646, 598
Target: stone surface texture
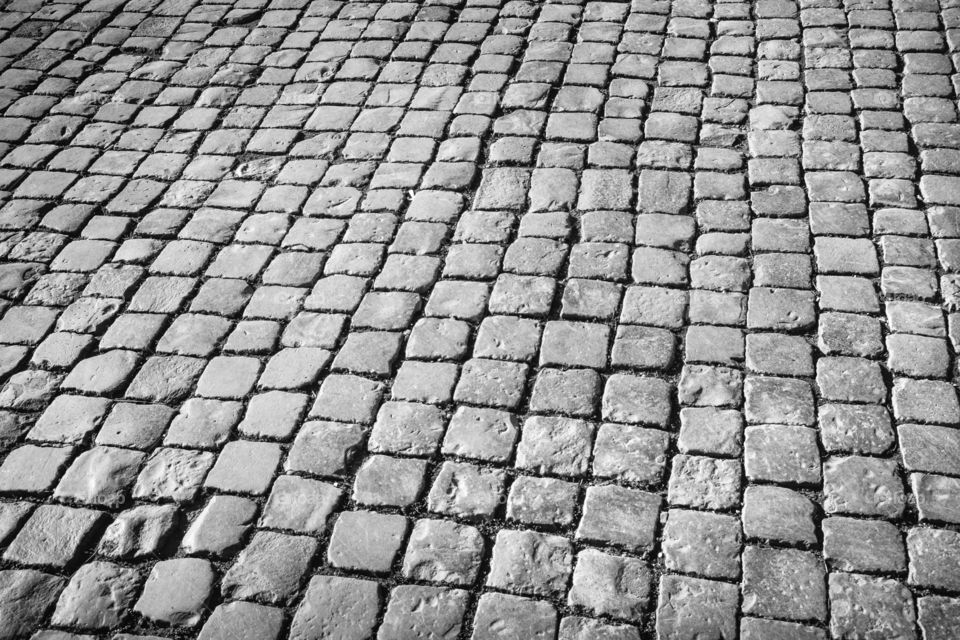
479, 319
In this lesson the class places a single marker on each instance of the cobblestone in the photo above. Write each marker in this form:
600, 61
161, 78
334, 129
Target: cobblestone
449, 319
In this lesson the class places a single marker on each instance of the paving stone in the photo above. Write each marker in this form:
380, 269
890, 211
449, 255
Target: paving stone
704, 482
558, 446
172, 474
101, 476
242, 620
630, 453
888, 606
544, 501
98, 596
423, 612
526, 562
499, 614
689, 607
27, 595
300, 504
935, 615
844, 545
778, 513
176, 592
139, 532
863, 486
55, 536
933, 558
220, 527
619, 516
702, 544
781, 453
366, 540
607, 584
466, 490
337, 607
269, 569
783, 583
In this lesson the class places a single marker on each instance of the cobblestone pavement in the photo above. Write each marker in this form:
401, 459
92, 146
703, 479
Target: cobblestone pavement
479, 319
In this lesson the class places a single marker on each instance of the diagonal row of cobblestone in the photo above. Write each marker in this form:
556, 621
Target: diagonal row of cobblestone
479, 319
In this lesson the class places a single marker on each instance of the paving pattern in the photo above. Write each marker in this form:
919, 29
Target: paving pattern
479, 319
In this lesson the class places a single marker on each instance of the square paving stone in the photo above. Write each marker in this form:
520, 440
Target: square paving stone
779, 514
703, 544
25, 597
491, 383
565, 391
139, 531
407, 427
269, 569
444, 552
574, 344
220, 527
481, 434
244, 466
33, 469
55, 536
384, 480
637, 400
884, 606
300, 504
690, 607
783, 583
710, 431
466, 490
863, 486
781, 453
866, 546
703, 482
243, 620
620, 516
630, 454
498, 614
855, 428
98, 596
337, 607
936, 616
176, 592
347, 398
934, 556
415, 612
610, 585
527, 562
325, 449
366, 541
543, 501
559, 446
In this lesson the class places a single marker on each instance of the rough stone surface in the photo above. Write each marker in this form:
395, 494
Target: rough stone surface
573, 320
